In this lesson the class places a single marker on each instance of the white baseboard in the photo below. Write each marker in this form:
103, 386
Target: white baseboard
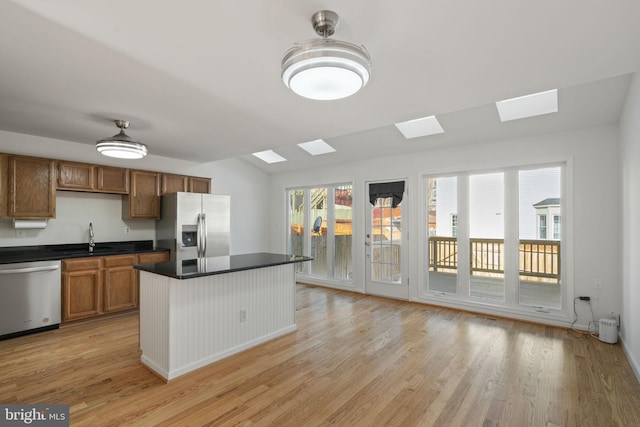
632, 360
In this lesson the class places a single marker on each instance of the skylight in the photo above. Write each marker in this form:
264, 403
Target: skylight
535, 104
316, 147
269, 156
420, 127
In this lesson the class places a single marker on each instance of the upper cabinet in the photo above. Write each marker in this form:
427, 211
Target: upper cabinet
173, 184
113, 180
199, 185
31, 187
28, 186
143, 200
76, 176
4, 184
94, 178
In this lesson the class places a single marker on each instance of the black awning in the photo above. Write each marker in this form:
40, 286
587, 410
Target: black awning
394, 190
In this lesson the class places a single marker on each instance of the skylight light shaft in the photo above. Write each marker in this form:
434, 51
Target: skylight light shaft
531, 105
269, 156
420, 127
317, 147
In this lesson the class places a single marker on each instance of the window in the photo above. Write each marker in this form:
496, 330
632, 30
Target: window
556, 227
297, 225
343, 231
539, 192
442, 242
454, 225
502, 243
318, 231
486, 236
320, 226
542, 227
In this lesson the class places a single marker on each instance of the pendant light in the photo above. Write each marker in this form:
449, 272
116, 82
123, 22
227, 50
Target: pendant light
121, 145
326, 69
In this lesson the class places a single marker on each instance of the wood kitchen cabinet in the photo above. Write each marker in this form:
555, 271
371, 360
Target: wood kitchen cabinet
112, 180
81, 288
171, 183
31, 187
120, 283
199, 185
143, 200
97, 286
92, 178
28, 186
153, 257
4, 184
76, 176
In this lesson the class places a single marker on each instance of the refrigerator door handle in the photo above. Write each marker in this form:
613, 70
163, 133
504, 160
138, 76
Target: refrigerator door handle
199, 237
204, 235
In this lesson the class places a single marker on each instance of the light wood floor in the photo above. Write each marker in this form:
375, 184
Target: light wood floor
354, 361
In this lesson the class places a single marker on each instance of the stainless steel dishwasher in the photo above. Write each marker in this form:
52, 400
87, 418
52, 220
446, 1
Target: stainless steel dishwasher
29, 297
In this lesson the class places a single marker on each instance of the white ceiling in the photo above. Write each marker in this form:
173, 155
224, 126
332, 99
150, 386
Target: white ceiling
199, 80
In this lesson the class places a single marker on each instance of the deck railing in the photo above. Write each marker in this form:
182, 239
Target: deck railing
538, 259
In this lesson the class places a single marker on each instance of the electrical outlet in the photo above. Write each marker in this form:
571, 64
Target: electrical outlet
243, 315
21, 234
127, 230
597, 283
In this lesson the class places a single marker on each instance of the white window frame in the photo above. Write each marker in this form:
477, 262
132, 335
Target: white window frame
510, 307
305, 273
546, 226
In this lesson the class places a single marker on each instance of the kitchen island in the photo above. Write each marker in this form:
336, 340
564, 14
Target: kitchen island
195, 312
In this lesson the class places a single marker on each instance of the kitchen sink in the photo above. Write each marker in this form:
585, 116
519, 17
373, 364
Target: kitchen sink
96, 251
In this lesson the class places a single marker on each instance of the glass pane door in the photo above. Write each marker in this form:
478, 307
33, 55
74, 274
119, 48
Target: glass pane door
486, 236
385, 261
297, 225
442, 217
540, 233
343, 231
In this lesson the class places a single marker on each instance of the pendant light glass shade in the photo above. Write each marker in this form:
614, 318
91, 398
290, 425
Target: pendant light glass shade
325, 69
121, 146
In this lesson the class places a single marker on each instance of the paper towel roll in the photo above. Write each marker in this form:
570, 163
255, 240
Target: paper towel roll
30, 223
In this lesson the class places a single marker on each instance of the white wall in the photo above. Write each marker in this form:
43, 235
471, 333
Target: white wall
630, 188
247, 186
250, 200
594, 156
74, 212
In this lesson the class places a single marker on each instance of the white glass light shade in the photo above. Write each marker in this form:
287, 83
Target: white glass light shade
325, 69
122, 149
121, 145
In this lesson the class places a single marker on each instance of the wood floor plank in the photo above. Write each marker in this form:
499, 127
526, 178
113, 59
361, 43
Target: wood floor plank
355, 360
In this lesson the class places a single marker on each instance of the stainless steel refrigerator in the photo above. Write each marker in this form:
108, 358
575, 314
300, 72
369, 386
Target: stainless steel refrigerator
194, 225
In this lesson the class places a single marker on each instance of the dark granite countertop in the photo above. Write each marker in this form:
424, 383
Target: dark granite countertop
189, 269
17, 254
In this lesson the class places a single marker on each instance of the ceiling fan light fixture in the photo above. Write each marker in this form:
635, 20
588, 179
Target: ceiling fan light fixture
121, 146
325, 69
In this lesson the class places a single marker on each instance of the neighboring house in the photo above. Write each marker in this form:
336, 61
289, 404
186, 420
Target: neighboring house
548, 219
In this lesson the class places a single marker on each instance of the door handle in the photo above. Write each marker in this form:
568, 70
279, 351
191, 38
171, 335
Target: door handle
367, 243
28, 269
199, 237
204, 235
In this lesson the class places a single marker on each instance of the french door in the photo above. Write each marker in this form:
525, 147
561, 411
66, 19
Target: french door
386, 246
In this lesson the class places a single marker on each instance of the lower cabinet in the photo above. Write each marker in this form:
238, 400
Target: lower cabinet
81, 288
100, 285
120, 292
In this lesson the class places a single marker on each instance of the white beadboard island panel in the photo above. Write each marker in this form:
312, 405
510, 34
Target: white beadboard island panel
188, 324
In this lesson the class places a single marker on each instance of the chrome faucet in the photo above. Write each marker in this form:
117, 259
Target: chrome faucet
91, 242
